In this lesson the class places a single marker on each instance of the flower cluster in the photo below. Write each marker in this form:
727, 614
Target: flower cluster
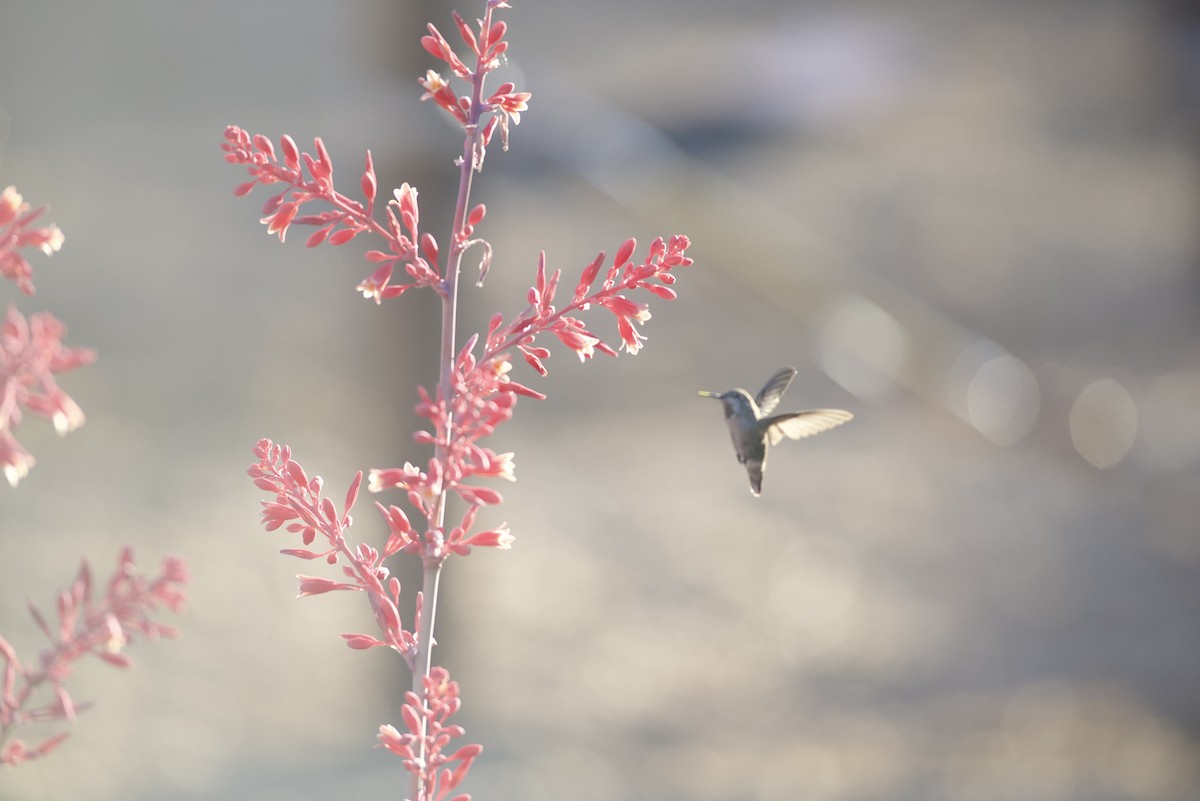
16, 232
504, 105
347, 219
31, 351
100, 627
423, 747
654, 275
483, 396
302, 509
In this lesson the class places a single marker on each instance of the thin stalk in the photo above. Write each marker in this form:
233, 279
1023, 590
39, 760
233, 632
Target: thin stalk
449, 293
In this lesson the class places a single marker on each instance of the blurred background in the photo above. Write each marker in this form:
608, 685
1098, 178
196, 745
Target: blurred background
973, 224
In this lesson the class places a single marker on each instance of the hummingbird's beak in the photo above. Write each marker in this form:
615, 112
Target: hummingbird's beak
705, 394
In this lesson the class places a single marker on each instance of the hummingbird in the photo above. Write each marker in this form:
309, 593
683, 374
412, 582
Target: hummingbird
751, 424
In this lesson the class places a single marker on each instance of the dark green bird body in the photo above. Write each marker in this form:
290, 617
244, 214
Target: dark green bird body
752, 430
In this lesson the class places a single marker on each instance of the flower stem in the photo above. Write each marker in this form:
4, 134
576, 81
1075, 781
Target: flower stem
472, 145
449, 293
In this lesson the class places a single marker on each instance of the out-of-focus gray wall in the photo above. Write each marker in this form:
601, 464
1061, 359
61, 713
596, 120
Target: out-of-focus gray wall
974, 225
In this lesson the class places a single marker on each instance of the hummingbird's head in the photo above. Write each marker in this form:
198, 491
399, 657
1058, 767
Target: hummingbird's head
737, 402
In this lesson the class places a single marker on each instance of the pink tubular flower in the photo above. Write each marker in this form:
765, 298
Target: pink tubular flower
31, 352
439, 91
15, 460
510, 103
461, 540
101, 627
315, 585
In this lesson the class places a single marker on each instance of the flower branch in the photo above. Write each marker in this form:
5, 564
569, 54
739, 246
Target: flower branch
102, 627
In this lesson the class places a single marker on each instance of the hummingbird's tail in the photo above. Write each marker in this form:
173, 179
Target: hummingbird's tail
754, 469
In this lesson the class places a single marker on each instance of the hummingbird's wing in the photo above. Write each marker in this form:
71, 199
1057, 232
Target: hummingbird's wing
798, 425
770, 395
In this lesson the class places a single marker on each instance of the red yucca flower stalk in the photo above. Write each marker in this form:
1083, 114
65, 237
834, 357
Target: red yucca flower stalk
475, 391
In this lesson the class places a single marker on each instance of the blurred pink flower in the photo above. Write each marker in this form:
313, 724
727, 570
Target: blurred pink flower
31, 352
16, 232
101, 627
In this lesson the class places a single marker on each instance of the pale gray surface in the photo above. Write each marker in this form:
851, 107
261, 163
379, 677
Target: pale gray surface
886, 195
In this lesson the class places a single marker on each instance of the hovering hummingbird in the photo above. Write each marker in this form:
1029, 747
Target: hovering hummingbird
751, 428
